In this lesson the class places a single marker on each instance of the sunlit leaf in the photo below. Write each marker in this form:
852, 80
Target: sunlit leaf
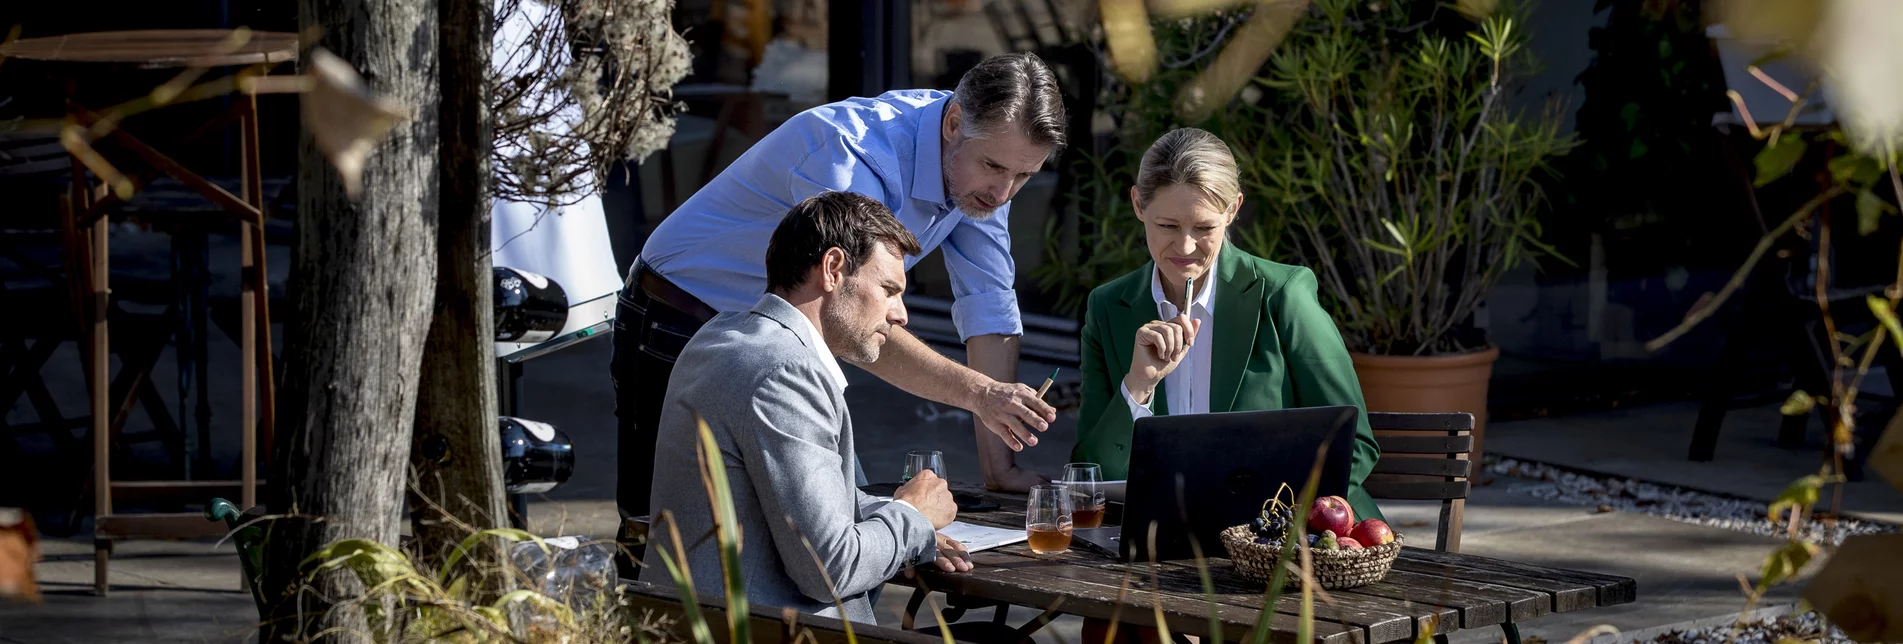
1800, 496
1126, 29
345, 118
1784, 562
1854, 169
1870, 211
1887, 315
1384, 247
1777, 159
1427, 632
1798, 404
372, 561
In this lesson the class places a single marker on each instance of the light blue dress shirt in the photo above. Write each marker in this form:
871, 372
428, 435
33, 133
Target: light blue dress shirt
887, 148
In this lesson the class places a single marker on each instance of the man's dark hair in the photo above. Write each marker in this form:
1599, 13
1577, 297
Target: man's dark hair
849, 221
1015, 90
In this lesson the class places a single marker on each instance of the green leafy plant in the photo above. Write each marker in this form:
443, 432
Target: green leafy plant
1410, 186
1110, 239
407, 604
1852, 44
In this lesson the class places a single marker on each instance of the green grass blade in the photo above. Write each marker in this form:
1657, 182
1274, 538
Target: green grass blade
727, 530
1162, 624
684, 581
1209, 590
462, 549
542, 603
1300, 532
821, 567
944, 630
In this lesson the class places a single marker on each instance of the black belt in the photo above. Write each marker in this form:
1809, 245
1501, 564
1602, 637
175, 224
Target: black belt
658, 288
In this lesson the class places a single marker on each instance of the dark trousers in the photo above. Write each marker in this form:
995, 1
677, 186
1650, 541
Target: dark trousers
649, 335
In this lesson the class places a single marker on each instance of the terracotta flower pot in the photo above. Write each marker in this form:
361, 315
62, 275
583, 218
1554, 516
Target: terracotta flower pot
1429, 384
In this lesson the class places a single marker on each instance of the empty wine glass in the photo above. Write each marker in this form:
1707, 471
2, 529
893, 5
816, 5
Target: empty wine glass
920, 460
1047, 519
1086, 494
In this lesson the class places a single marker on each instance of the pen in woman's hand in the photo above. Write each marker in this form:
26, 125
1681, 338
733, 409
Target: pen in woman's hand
1047, 382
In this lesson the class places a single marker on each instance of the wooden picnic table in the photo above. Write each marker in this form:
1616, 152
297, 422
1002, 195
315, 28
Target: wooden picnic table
1444, 591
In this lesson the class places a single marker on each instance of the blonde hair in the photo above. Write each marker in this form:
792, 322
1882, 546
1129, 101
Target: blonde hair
1194, 157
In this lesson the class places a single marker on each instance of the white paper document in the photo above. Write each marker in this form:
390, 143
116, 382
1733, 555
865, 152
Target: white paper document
977, 537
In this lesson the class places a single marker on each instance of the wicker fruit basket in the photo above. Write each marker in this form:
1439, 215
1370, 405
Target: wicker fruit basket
1332, 568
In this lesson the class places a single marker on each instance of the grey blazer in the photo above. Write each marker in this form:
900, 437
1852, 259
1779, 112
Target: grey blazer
785, 436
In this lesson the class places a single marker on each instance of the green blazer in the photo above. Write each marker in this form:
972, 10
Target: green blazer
1275, 348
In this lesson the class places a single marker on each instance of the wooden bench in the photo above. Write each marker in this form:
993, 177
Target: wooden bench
769, 624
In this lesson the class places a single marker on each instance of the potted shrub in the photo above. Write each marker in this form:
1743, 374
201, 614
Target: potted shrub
1406, 181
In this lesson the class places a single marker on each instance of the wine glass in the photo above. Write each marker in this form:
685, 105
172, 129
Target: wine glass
1047, 519
1086, 494
920, 460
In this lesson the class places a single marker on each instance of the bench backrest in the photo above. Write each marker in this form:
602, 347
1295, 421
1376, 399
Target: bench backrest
1424, 457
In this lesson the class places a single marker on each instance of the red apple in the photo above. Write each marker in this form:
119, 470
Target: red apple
1372, 532
1331, 513
1348, 543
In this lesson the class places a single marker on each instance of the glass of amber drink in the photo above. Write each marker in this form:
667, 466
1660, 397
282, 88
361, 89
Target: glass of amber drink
1086, 494
1047, 519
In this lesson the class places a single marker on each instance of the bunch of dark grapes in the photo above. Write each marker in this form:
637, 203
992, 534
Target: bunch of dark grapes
1273, 523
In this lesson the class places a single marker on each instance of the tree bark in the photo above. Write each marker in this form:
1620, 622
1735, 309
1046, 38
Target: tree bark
362, 295
458, 455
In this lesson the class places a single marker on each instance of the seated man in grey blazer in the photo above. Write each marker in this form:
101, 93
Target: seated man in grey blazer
768, 386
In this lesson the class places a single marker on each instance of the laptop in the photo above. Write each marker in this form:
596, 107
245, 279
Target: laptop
1198, 474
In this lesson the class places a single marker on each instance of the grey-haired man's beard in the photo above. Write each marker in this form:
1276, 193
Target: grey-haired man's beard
969, 207
967, 204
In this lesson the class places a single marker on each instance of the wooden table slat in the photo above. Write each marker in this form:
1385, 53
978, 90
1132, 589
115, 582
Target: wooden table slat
1232, 589
158, 48
1380, 626
1566, 596
1092, 592
1425, 587
1612, 590
1479, 604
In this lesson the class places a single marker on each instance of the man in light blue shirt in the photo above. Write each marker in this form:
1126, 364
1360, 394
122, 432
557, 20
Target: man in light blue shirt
946, 164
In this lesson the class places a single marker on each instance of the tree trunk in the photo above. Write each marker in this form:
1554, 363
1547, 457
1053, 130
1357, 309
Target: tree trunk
458, 453
362, 289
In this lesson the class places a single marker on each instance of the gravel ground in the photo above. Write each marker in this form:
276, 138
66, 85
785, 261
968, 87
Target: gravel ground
1807, 627
1623, 494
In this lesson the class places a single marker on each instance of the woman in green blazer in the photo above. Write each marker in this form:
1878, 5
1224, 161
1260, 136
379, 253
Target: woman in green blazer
1254, 338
